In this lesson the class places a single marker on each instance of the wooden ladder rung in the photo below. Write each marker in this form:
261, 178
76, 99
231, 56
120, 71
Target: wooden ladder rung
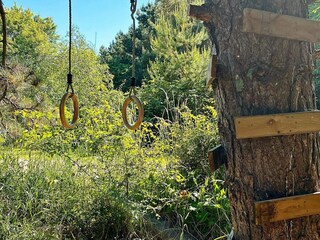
277, 124
287, 208
217, 157
278, 25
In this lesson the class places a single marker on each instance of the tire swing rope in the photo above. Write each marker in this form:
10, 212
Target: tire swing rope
132, 93
68, 94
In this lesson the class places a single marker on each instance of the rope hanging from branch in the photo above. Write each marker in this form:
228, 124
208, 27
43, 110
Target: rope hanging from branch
133, 9
70, 49
68, 94
132, 92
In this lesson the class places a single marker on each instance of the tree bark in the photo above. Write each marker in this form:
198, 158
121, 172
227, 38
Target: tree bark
261, 75
4, 34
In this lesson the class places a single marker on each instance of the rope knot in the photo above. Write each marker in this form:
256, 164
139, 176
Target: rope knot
69, 77
133, 82
133, 7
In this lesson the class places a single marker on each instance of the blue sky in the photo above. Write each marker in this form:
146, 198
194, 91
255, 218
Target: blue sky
102, 17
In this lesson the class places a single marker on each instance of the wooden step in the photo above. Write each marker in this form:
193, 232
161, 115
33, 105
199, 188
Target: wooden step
287, 208
282, 26
217, 157
277, 124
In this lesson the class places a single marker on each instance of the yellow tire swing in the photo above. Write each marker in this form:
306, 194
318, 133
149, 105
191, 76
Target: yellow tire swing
68, 94
132, 93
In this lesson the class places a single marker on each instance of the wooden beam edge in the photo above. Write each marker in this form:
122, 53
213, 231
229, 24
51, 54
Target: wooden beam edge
256, 21
269, 207
272, 119
217, 157
212, 71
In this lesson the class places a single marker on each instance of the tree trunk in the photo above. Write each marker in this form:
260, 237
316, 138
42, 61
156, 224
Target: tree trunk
261, 75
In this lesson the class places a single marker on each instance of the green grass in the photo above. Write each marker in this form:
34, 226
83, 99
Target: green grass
52, 198
113, 185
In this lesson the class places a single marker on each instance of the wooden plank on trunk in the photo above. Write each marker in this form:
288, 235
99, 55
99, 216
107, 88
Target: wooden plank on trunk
217, 157
283, 26
287, 208
277, 124
212, 71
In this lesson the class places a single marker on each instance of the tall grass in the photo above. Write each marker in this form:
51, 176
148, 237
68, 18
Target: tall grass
94, 184
52, 198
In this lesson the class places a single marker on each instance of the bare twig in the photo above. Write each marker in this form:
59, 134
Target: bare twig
17, 107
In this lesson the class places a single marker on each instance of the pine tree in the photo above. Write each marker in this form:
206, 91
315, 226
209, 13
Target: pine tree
179, 71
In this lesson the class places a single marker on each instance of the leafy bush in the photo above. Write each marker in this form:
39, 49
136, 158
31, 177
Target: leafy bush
44, 198
100, 180
184, 194
161, 170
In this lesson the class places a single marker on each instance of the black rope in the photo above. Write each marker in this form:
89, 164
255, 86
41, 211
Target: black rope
133, 9
70, 35
69, 76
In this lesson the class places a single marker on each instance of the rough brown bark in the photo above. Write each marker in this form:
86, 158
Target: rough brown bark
4, 34
264, 75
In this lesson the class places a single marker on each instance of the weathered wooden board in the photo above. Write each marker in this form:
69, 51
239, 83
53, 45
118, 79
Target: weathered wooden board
283, 26
217, 157
277, 124
212, 71
287, 208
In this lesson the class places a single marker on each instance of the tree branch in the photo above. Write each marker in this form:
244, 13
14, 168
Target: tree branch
4, 34
17, 107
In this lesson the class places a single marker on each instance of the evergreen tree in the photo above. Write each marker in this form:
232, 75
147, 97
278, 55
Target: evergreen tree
118, 56
179, 71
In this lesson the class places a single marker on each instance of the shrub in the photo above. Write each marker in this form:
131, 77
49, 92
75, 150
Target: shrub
44, 198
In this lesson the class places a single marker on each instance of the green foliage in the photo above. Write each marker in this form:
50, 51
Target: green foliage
200, 211
151, 176
100, 180
29, 36
118, 56
97, 126
178, 74
45, 198
184, 194
91, 80
314, 13
31, 39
